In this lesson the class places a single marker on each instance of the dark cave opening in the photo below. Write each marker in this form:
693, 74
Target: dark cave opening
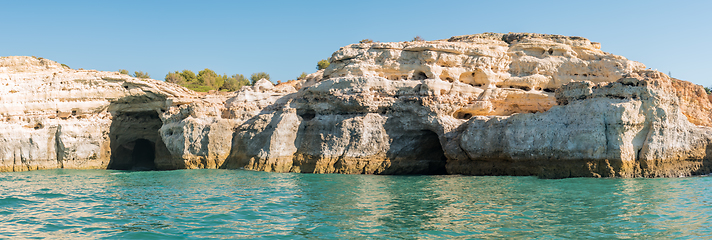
432, 152
416, 152
136, 143
138, 155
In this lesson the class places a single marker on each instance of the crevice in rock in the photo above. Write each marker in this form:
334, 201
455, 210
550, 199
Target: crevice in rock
59, 146
420, 76
307, 115
463, 115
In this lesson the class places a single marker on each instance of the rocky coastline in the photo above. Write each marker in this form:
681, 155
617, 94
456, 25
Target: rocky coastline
486, 104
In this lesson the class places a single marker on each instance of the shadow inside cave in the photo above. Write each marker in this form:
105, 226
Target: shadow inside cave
137, 155
136, 143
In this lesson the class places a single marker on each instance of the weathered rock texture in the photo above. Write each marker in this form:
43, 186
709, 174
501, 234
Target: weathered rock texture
486, 104
56, 117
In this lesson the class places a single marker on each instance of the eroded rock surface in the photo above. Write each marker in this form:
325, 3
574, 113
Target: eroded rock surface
56, 117
486, 104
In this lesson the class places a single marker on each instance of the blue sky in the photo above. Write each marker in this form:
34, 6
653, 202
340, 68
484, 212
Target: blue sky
285, 38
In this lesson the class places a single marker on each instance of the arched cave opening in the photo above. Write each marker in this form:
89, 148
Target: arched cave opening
433, 153
137, 155
416, 152
136, 143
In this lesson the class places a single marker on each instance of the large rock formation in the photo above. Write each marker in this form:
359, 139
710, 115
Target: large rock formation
485, 104
56, 117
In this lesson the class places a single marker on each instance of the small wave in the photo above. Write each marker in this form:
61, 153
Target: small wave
13, 201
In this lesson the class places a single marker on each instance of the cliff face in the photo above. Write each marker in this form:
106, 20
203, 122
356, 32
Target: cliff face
486, 104
56, 117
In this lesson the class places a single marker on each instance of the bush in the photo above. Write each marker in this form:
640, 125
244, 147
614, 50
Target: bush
209, 78
65, 65
365, 41
257, 76
175, 77
302, 76
417, 39
124, 71
235, 82
708, 90
140, 74
198, 88
189, 76
322, 64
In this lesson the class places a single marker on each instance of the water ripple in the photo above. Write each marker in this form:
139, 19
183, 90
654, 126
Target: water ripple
194, 204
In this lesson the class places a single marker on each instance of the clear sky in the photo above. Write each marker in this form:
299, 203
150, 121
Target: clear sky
285, 38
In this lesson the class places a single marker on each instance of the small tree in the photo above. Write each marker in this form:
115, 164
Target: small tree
302, 76
175, 77
235, 82
322, 64
257, 76
124, 71
708, 90
366, 41
189, 76
417, 39
209, 78
241, 80
142, 75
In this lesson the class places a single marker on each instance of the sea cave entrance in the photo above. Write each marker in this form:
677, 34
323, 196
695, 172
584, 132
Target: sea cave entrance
416, 152
138, 155
136, 143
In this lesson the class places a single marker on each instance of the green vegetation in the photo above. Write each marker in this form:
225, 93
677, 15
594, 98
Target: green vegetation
235, 82
708, 90
257, 76
140, 74
124, 71
65, 65
366, 41
417, 39
322, 64
207, 80
302, 76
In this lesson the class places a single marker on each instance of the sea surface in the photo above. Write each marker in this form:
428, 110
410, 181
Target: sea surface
195, 204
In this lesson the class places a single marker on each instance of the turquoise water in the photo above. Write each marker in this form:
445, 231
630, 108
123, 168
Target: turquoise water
190, 204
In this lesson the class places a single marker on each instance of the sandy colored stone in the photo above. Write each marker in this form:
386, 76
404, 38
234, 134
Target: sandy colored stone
486, 104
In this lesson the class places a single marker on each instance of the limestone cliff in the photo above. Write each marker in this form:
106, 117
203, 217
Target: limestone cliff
56, 117
485, 104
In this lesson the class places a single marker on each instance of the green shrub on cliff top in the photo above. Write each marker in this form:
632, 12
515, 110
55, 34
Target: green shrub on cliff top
257, 76
302, 76
140, 74
322, 64
235, 82
207, 80
175, 77
211, 79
